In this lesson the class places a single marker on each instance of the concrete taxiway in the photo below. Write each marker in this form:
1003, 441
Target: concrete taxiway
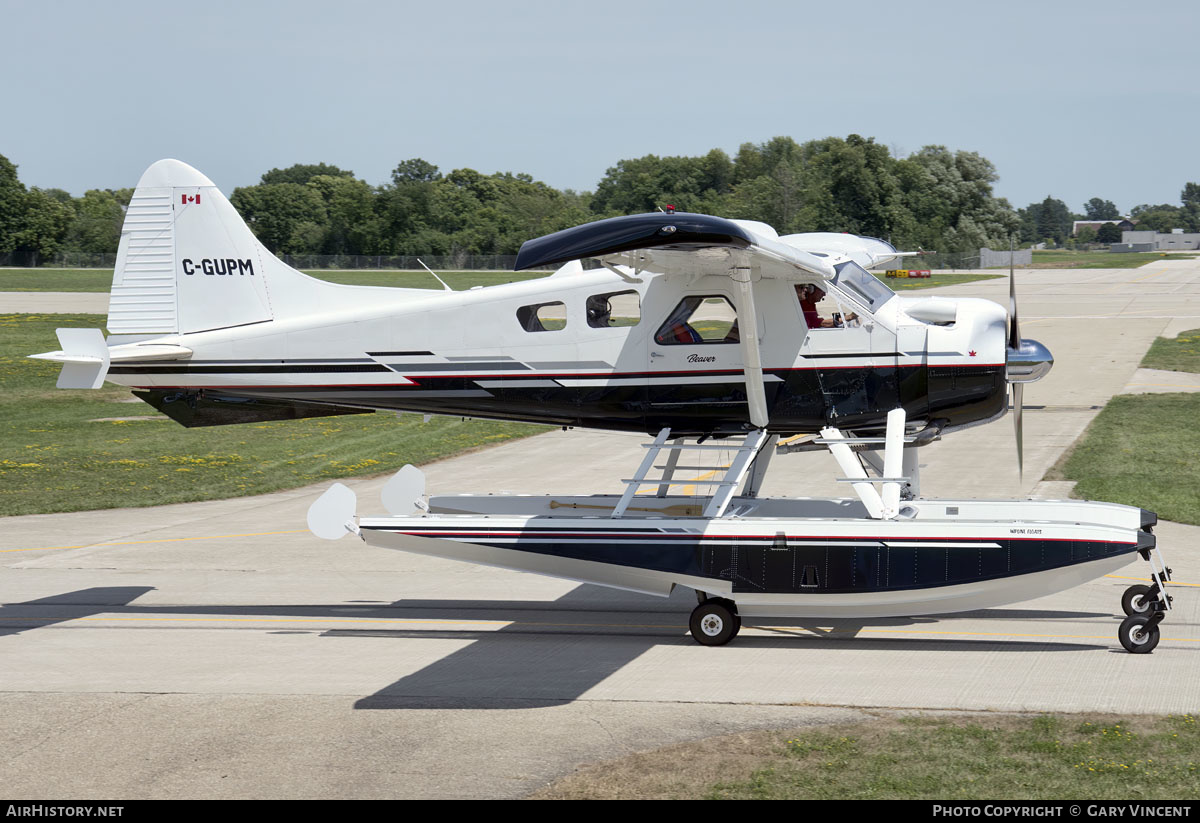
218, 650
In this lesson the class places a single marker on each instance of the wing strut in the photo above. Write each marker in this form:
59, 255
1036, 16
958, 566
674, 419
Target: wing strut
756, 394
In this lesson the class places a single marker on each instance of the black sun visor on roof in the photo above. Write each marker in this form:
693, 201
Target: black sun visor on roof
681, 230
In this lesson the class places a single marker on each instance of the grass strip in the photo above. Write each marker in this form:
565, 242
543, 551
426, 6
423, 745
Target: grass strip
994, 757
1140, 450
1181, 353
934, 280
66, 450
1066, 259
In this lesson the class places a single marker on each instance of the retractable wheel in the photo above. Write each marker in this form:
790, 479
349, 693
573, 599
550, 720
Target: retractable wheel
714, 623
1138, 634
1134, 600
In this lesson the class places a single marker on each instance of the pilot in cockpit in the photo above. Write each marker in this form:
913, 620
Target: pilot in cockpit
810, 295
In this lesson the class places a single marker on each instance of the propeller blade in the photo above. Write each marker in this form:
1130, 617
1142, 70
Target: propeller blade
1014, 331
1018, 399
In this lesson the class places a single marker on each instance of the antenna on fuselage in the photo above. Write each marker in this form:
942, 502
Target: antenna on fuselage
435, 277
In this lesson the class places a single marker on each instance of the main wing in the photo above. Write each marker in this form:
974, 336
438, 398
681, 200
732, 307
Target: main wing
675, 243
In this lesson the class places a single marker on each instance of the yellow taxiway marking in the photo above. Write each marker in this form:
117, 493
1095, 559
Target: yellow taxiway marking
1148, 580
1150, 275
1143, 278
688, 490
161, 540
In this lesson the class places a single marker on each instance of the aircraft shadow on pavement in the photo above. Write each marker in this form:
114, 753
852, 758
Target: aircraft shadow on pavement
59, 608
523, 665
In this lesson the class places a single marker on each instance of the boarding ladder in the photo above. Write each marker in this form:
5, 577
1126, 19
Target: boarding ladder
724, 486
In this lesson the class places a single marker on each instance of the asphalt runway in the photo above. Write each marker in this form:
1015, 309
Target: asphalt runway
218, 650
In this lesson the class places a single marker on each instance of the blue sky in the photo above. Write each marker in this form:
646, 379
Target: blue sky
1070, 99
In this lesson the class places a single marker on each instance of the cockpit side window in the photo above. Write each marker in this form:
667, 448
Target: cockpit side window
698, 320
543, 316
618, 308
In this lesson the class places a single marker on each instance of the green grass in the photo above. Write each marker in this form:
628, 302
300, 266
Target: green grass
1179, 354
100, 280
1140, 450
934, 280
54, 459
1041, 758
988, 757
1066, 259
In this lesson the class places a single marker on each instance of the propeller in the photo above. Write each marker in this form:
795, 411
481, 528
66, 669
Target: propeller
1027, 361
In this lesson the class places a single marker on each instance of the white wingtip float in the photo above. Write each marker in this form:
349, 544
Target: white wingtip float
701, 331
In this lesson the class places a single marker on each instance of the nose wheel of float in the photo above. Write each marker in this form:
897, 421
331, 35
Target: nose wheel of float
1145, 607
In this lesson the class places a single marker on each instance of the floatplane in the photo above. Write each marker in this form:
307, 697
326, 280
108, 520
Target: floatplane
704, 333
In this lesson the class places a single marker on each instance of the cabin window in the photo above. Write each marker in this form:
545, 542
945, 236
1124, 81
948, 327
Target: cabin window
699, 319
618, 308
543, 316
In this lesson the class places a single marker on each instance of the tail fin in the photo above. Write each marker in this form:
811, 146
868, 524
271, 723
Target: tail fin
189, 263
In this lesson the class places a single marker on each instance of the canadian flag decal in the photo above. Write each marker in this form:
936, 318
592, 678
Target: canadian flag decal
190, 198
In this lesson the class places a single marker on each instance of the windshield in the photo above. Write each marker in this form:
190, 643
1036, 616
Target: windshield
860, 284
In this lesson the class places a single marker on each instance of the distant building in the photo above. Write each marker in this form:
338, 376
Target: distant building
1123, 223
1156, 241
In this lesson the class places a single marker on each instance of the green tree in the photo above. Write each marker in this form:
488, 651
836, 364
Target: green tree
351, 225
1049, 220
43, 225
415, 171
949, 197
301, 173
286, 217
651, 182
12, 204
1097, 209
1190, 213
1108, 233
96, 228
1161, 218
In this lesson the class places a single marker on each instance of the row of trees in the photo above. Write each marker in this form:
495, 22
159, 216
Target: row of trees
1051, 220
933, 199
36, 223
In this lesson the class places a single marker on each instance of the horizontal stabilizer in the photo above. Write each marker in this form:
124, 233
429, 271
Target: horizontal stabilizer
84, 357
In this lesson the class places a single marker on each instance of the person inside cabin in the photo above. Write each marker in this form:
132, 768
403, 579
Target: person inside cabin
677, 329
599, 312
810, 295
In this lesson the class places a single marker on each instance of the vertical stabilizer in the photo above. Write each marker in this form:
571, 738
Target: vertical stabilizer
187, 261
